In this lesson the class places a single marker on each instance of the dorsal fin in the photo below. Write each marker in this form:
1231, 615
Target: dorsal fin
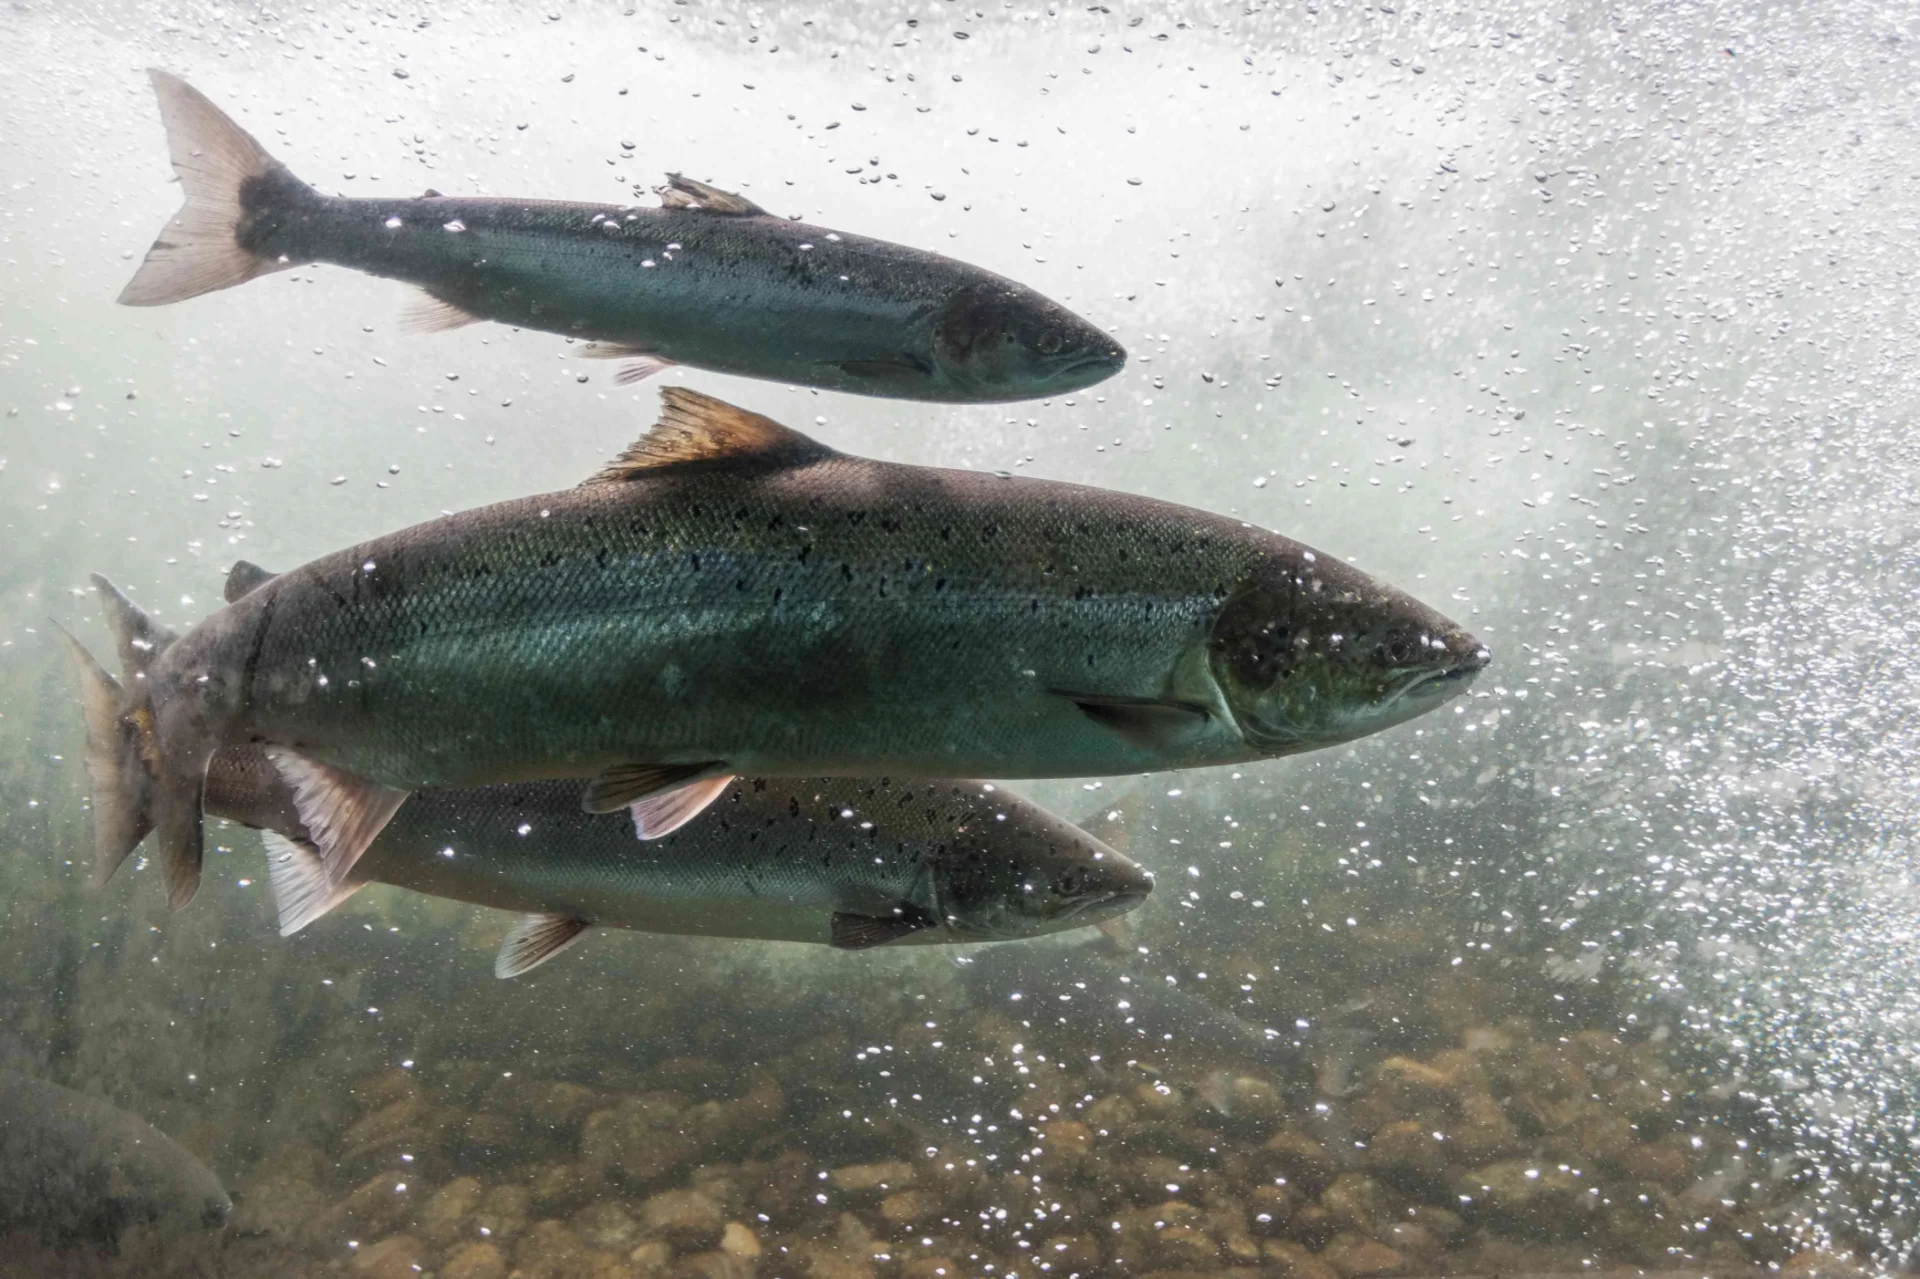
244, 578
683, 192
139, 638
698, 428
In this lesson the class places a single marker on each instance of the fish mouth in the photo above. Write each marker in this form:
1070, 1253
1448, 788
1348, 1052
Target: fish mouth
1088, 369
1118, 902
1113, 359
1447, 681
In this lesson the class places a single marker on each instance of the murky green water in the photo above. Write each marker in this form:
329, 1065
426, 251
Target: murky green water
1591, 326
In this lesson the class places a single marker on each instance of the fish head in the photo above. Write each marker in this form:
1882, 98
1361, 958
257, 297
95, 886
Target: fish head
1308, 652
154, 1180
1018, 871
1002, 341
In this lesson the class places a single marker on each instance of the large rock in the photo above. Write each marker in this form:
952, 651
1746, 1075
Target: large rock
1302, 1161
688, 1219
503, 1211
373, 1208
475, 1261
1407, 1146
871, 1180
443, 1217
604, 1224
1356, 1202
395, 1257
1289, 1260
1529, 1193
652, 1138
1355, 1257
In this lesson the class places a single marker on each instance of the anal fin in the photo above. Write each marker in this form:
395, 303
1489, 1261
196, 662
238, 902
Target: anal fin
302, 892
430, 313
864, 932
343, 812
534, 939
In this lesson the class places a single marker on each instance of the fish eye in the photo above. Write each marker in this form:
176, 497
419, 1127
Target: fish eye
1050, 342
1398, 647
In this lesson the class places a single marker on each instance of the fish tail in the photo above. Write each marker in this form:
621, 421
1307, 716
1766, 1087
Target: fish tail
156, 772
235, 193
116, 762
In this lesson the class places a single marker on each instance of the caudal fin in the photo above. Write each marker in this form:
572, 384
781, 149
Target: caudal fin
229, 180
122, 789
170, 753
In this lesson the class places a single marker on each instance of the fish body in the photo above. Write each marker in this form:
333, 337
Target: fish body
75, 1169
834, 861
708, 279
733, 598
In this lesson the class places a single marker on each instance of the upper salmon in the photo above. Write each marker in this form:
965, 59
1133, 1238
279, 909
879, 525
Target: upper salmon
707, 279
730, 596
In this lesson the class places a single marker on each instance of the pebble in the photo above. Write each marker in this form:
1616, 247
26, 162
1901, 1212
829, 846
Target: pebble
688, 1219
474, 1261
395, 1257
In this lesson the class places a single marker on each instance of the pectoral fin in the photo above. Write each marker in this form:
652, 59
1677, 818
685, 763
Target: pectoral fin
1146, 722
343, 812
663, 797
534, 940
642, 363
430, 313
302, 892
662, 814
888, 368
864, 932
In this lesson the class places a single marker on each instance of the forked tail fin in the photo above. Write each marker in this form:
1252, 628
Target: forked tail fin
116, 762
170, 750
232, 186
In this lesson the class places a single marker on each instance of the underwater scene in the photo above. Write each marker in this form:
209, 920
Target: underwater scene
685, 639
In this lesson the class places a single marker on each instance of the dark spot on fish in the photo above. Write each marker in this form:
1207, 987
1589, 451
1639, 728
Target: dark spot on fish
846, 572
805, 551
693, 557
600, 557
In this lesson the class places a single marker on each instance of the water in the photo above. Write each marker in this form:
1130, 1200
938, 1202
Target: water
1591, 326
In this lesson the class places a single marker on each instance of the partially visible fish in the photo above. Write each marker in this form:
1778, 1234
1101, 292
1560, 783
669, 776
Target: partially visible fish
731, 598
853, 863
1121, 1006
75, 1169
708, 279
